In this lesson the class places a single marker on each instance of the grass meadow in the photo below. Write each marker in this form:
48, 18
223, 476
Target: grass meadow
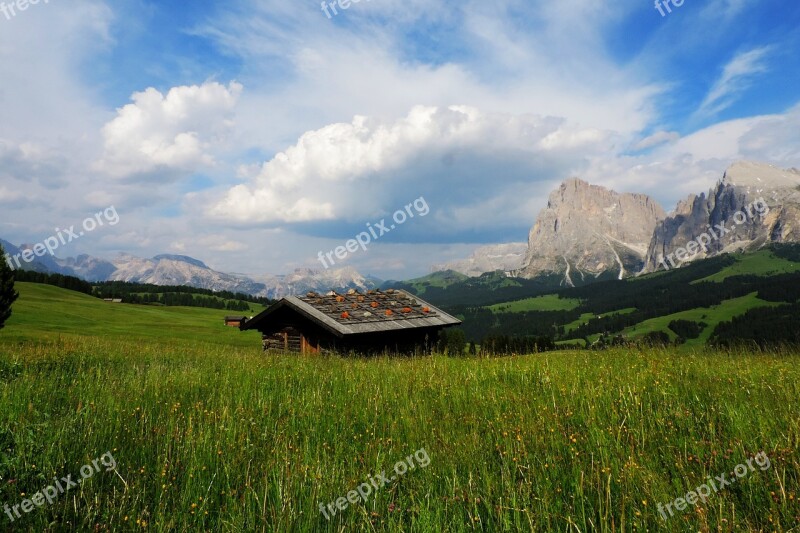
211, 436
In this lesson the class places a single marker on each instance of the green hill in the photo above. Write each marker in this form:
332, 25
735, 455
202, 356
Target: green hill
206, 433
711, 316
44, 312
550, 302
767, 262
709, 292
453, 289
439, 280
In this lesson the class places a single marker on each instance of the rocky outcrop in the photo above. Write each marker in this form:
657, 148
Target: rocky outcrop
587, 231
505, 257
752, 205
88, 267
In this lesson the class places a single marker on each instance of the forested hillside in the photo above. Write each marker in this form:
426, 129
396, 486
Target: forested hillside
764, 285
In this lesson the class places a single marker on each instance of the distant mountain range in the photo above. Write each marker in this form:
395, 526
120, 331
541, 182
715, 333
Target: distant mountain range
183, 270
505, 257
588, 233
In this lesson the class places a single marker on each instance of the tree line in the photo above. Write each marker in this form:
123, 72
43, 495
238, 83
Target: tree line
123, 289
143, 293
762, 327
57, 280
171, 299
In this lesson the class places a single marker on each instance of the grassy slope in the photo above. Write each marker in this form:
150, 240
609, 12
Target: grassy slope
761, 263
441, 279
44, 312
560, 442
210, 437
711, 316
550, 302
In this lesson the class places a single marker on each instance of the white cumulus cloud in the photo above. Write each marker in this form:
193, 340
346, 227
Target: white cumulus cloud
168, 133
457, 155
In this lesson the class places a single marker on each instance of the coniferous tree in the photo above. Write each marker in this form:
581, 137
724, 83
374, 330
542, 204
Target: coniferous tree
7, 293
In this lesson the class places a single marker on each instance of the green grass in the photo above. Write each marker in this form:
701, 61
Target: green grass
710, 315
440, 279
215, 437
549, 302
44, 312
761, 263
571, 342
258, 443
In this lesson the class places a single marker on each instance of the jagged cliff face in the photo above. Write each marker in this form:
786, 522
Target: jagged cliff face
754, 204
588, 230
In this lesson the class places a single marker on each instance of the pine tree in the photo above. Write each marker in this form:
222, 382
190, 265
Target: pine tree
7, 293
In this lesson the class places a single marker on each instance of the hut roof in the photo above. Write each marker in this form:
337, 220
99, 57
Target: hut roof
354, 313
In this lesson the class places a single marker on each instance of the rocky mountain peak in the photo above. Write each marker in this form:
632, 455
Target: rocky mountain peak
589, 230
181, 259
755, 203
754, 174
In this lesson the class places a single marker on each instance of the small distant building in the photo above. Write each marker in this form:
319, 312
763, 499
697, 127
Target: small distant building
113, 300
235, 321
390, 321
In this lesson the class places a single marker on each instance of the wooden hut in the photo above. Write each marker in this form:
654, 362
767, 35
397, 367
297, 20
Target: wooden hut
390, 321
235, 321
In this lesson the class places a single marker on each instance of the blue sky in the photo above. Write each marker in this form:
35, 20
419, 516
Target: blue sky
252, 135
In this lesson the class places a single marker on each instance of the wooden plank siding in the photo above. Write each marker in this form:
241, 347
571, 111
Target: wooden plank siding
290, 340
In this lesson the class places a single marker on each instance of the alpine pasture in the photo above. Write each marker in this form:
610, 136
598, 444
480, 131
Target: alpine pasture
210, 434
